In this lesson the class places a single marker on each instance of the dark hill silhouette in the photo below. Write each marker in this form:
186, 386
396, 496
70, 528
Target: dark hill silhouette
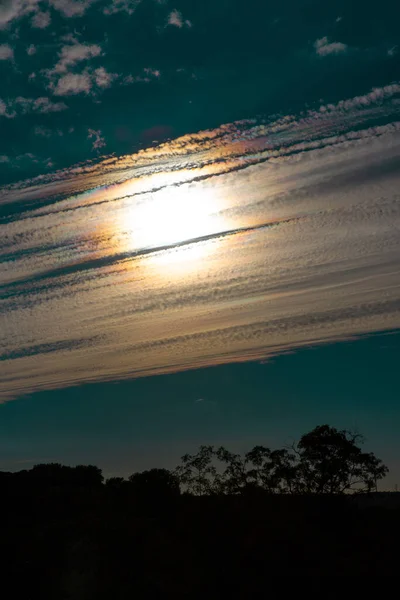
220, 525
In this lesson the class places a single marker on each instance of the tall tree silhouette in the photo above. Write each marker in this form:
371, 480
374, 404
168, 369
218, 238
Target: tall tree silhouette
330, 461
198, 473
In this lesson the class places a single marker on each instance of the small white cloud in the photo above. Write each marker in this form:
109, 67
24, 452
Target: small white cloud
153, 73
11, 10
41, 20
176, 20
99, 141
72, 54
128, 79
392, 51
42, 131
72, 84
65, 83
6, 52
128, 6
22, 105
46, 132
71, 8
4, 110
148, 75
31, 50
338, 19
323, 47
4, 159
103, 78
44, 105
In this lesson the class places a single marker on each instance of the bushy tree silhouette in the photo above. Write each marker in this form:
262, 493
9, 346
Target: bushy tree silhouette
330, 461
197, 473
325, 461
155, 483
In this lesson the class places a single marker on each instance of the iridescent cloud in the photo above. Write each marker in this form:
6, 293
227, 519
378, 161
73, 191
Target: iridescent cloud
226, 245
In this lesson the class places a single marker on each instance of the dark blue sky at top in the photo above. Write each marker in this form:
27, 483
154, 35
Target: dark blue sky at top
225, 60
229, 60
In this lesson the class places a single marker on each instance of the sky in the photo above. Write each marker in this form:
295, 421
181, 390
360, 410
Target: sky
199, 214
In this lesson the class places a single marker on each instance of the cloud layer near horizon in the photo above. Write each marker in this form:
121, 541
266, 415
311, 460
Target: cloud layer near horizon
303, 248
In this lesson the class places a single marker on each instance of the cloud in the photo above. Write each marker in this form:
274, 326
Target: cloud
99, 141
4, 159
128, 6
103, 78
45, 132
153, 73
63, 81
71, 55
11, 10
31, 50
176, 20
71, 8
323, 47
6, 52
72, 84
41, 20
148, 74
302, 217
22, 105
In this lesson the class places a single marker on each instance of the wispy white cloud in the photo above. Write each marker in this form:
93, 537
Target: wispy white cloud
41, 20
31, 49
147, 75
104, 78
71, 55
11, 10
86, 82
98, 139
176, 20
323, 47
22, 105
115, 6
311, 206
65, 81
46, 132
71, 8
72, 84
6, 52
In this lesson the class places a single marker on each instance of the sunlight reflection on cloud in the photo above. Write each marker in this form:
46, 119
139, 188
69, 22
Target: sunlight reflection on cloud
226, 245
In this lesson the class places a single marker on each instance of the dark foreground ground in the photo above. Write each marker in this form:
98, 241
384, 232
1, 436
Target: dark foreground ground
102, 543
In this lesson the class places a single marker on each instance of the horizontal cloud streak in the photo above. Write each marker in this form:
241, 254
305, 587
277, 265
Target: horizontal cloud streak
300, 246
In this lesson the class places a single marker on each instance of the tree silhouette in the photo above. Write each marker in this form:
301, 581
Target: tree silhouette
234, 479
325, 461
155, 484
272, 470
55, 474
329, 461
198, 474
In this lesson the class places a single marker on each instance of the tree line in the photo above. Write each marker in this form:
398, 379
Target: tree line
324, 461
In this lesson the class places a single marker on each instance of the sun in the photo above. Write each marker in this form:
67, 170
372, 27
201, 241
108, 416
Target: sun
171, 216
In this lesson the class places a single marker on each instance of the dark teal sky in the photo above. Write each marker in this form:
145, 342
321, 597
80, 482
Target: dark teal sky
153, 421
290, 198
218, 61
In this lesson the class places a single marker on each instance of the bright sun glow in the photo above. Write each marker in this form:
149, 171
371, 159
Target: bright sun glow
171, 216
171, 221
